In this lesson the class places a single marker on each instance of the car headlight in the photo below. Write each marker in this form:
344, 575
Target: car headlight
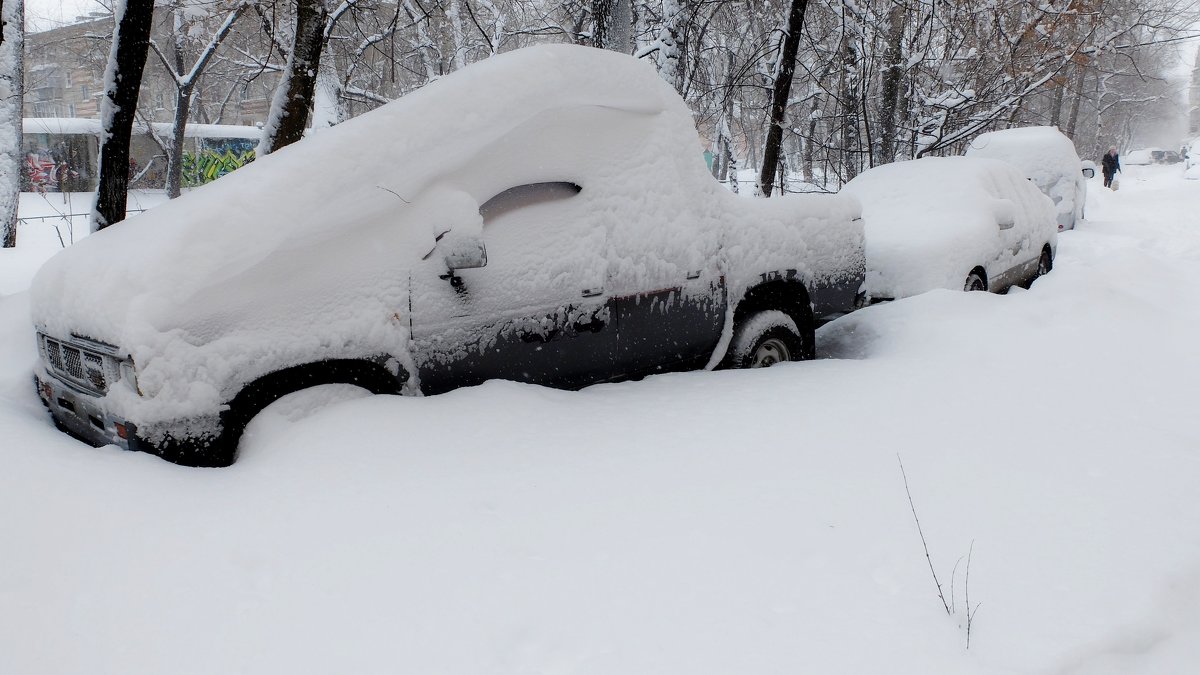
129, 374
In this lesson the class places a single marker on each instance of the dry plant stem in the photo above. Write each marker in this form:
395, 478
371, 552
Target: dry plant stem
953, 576
928, 559
967, 592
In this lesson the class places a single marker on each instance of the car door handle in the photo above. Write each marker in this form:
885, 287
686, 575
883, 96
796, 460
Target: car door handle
594, 324
694, 275
592, 292
538, 336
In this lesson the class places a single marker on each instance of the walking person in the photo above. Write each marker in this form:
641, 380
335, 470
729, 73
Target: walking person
1111, 165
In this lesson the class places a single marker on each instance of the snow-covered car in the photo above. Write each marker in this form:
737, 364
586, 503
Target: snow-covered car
1048, 158
952, 222
543, 216
1139, 157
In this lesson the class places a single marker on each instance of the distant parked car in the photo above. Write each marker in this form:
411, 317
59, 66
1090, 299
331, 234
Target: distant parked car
1048, 158
1165, 156
541, 216
953, 222
1139, 157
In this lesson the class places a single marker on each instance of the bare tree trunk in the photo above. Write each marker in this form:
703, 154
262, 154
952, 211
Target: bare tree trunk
810, 142
1056, 103
293, 98
185, 86
613, 25
893, 57
183, 104
122, 84
779, 98
849, 102
12, 43
1076, 98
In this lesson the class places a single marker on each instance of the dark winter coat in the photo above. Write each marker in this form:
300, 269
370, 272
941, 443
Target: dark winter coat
1110, 163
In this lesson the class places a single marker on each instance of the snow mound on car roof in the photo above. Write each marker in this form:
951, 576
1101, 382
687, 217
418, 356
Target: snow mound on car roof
1044, 154
930, 221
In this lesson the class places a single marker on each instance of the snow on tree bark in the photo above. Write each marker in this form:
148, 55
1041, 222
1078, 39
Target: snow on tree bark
779, 98
666, 54
11, 95
294, 94
122, 84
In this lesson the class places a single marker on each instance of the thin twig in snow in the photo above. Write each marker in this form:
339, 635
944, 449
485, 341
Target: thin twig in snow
928, 559
395, 193
967, 591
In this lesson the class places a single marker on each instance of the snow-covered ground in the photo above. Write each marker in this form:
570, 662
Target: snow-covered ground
52, 221
710, 522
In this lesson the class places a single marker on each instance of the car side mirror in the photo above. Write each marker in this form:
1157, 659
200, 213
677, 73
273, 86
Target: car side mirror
462, 251
1089, 172
1006, 217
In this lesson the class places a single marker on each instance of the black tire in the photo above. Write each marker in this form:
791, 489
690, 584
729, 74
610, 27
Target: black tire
764, 339
1045, 264
976, 281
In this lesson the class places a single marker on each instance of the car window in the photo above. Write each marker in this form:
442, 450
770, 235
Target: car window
523, 196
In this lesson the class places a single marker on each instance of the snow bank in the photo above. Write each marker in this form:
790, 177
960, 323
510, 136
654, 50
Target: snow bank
1047, 157
929, 222
305, 254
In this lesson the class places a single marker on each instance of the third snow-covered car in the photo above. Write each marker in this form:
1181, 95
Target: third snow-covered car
1046, 157
543, 216
952, 222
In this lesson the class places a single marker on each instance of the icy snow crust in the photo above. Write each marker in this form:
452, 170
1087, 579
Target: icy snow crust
1047, 157
306, 253
929, 222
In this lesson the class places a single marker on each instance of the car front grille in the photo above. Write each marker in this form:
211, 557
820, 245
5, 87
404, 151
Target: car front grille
78, 365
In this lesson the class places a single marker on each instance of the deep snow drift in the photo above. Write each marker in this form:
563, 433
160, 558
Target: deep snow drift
749, 522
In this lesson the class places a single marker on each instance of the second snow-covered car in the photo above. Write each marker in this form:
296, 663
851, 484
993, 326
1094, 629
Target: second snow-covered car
952, 222
543, 216
1048, 158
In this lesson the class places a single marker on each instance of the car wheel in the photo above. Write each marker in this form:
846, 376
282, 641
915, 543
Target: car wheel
1045, 264
975, 281
764, 339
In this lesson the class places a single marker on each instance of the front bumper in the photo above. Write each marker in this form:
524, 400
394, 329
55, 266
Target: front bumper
81, 415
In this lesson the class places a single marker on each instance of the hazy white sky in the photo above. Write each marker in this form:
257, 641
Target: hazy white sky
43, 14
